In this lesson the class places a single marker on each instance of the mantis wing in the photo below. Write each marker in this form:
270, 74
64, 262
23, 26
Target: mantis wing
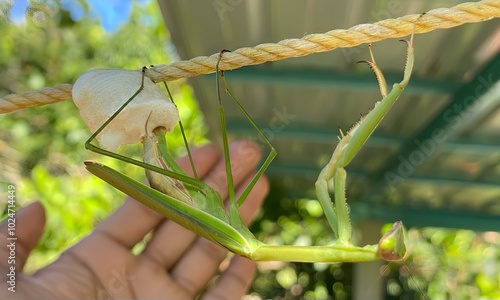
190, 217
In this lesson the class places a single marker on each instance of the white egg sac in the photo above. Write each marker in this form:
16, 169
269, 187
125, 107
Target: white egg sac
99, 93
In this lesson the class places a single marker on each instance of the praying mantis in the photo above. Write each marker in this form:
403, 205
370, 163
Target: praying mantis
199, 208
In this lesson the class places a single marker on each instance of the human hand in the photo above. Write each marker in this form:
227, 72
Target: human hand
175, 264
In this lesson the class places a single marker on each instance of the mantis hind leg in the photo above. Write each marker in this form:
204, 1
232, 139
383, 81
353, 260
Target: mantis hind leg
184, 138
272, 154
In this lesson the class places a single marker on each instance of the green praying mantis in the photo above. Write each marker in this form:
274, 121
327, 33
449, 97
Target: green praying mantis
199, 208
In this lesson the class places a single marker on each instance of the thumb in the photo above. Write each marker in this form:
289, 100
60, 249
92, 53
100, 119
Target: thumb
20, 232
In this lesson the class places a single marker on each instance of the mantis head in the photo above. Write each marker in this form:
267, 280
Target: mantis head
391, 246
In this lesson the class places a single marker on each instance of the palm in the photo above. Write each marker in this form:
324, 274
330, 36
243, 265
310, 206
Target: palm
174, 264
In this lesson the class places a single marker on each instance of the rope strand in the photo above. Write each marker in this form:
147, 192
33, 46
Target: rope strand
44, 96
469, 12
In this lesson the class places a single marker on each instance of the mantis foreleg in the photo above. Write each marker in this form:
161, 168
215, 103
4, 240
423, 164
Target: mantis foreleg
350, 144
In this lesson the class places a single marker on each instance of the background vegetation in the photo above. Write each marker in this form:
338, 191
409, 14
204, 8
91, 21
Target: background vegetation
41, 152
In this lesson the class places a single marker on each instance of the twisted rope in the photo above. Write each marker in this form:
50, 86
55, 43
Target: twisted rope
469, 12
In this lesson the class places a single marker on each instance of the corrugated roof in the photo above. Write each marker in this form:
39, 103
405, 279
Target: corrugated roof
434, 160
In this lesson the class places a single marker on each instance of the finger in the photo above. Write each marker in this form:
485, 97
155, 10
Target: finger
204, 158
244, 157
254, 201
133, 220
29, 223
205, 256
171, 240
234, 282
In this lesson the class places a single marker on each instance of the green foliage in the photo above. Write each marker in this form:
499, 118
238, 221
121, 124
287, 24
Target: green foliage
443, 263
41, 149
298, 222
449, 264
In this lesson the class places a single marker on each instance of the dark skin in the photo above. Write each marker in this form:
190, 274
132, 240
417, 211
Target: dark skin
175, 264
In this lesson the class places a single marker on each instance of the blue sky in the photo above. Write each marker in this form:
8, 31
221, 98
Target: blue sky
111, 13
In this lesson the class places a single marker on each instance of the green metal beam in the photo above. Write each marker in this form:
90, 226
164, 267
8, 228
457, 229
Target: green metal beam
280, 170
418, 217
411, 216
332, 79
306, 133
327, 136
